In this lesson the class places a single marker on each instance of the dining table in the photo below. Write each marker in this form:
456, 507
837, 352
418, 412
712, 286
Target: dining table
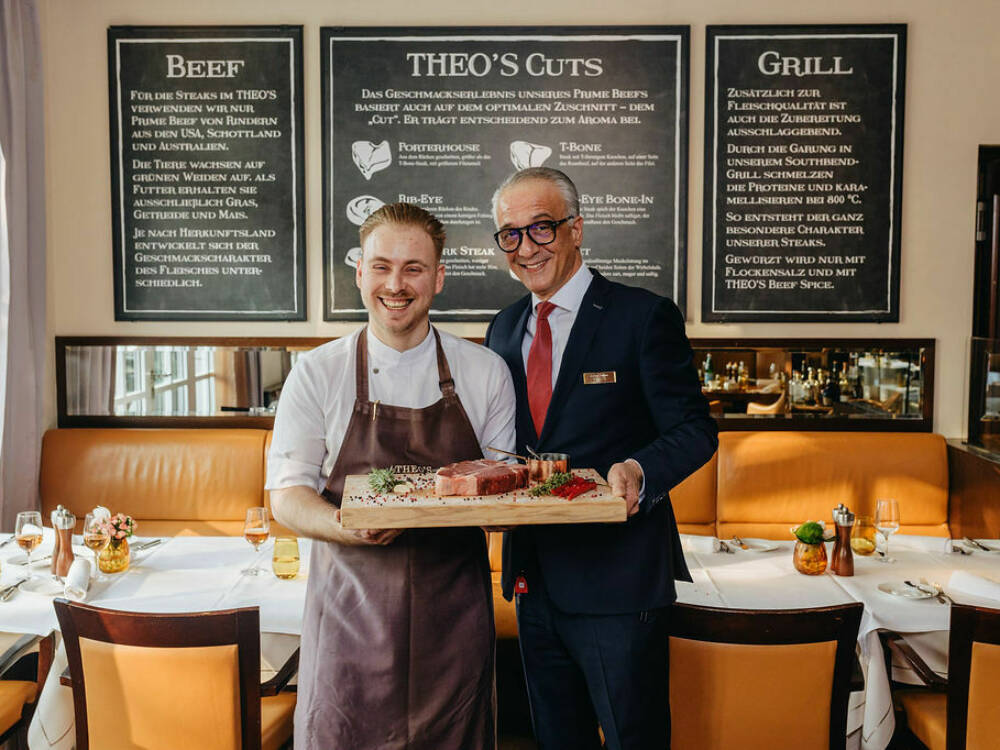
205, 573
179, 574
763, 577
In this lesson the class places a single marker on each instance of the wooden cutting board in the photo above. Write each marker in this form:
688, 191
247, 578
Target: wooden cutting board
362, 508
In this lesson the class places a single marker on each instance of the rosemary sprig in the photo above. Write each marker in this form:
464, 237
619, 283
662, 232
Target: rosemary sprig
381, 480
545, 488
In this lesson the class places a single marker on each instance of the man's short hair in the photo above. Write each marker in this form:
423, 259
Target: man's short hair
563, 183
405, 214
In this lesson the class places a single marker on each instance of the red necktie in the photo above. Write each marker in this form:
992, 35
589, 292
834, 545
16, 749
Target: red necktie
540, 367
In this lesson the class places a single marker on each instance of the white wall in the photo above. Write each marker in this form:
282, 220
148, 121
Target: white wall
951, 108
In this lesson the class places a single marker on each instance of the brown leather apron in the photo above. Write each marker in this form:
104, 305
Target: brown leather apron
398, 641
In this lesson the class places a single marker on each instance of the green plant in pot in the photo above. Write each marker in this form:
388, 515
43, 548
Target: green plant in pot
809, 556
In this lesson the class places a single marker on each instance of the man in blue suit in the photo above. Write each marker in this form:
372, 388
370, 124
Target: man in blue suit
603, 372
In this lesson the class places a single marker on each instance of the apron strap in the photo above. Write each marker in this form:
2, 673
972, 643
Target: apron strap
361, 367
445, 381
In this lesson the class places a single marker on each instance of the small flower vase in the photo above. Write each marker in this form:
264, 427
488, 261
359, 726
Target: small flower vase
114, 558
809, 559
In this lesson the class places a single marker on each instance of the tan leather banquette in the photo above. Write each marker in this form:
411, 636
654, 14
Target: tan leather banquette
193, 481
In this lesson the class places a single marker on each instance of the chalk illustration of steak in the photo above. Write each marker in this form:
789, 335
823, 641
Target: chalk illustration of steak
479, 477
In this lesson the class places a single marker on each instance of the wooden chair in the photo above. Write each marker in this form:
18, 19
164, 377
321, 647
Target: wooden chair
171, 681
761, 678
966, 716
18, 697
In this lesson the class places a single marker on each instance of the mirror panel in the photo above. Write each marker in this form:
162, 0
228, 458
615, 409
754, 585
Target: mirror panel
818, 384
785, 384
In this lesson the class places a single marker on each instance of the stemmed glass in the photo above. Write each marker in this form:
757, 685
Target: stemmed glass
887, 522
256, 529
28, 532
96, 537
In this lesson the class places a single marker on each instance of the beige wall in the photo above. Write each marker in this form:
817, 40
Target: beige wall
951, 107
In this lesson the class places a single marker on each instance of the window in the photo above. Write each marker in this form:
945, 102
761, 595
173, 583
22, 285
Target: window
163, 380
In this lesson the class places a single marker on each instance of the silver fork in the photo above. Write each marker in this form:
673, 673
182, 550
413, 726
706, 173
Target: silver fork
941, 596
923, 590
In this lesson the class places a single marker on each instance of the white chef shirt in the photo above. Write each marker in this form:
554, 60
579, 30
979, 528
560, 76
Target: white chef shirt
567, 301
317, 400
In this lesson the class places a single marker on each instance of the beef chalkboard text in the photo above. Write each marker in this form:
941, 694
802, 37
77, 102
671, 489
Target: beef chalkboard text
207, 172
439, 116
803, 173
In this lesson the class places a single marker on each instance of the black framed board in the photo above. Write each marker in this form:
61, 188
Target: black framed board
207, 172
439, 116
803, 173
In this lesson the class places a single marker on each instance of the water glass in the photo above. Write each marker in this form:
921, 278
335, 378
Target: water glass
285, 559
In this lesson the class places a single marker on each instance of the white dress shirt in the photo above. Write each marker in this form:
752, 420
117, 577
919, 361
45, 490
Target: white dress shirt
567, 301
317, 400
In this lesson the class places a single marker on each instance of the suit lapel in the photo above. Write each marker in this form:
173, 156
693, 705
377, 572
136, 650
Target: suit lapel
515, 363
581, 337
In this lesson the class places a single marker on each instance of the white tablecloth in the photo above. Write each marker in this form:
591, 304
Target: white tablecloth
182, 574
767, 580
203, 573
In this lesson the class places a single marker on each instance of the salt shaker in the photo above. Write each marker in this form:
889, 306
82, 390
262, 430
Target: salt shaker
842, 563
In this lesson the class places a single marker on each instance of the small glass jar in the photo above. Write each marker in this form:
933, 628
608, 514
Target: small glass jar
114, 558
809, 559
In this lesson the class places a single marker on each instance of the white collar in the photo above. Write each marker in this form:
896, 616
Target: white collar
386, 356
570, 295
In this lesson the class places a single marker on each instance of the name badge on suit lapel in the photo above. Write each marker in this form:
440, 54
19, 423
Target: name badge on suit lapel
599, 378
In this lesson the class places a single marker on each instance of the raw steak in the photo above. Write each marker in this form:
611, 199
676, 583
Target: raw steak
481, 477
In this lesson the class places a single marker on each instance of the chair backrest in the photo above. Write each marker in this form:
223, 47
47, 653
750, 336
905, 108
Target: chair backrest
973, 677
761, 678
165, 681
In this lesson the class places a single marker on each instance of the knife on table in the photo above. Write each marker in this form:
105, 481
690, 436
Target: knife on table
9, 591
978, 545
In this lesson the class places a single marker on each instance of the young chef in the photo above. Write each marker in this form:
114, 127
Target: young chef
398, 637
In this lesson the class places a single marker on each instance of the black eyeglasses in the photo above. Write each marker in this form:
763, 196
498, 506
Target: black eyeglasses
541, 233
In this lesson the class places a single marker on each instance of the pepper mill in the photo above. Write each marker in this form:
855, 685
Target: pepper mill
62, 555
57, 539
842, 563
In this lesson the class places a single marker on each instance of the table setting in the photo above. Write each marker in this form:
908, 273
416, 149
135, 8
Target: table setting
910, 594
163, 574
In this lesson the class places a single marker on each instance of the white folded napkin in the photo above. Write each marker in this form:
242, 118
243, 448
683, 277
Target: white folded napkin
921, 543
78, 579
970, 583
699, 544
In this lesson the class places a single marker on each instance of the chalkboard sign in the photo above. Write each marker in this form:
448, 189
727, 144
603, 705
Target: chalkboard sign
440, 116
207, 172
803, 173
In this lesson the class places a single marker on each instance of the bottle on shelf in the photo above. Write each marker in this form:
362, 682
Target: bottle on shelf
709, 374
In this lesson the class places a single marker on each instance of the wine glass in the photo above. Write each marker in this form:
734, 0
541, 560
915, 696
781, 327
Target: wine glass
96, 537
256, 530
887, 522
28, 532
